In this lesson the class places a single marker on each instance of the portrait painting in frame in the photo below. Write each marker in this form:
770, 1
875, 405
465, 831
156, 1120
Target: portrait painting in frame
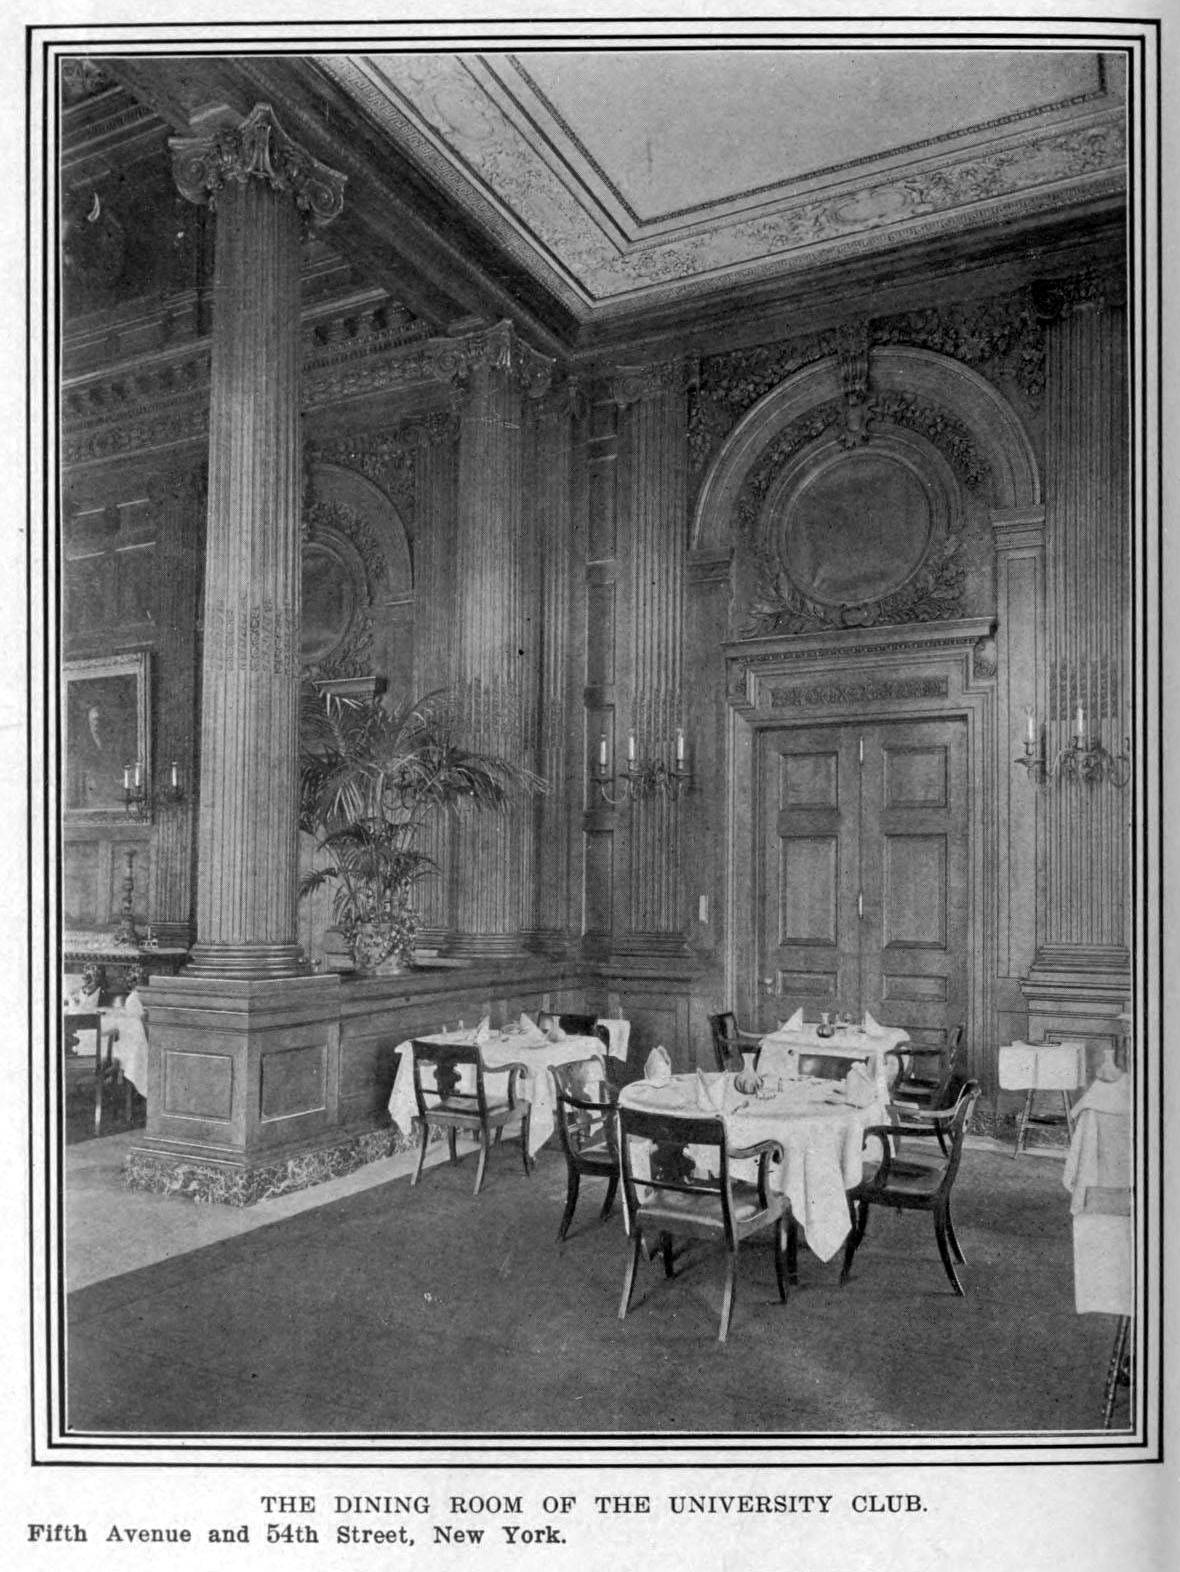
105, 709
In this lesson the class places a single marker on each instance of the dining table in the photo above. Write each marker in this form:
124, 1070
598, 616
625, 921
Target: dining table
530, 1046
820, 1131
782, 1050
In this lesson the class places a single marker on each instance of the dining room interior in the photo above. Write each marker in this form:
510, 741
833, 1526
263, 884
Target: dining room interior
597, 741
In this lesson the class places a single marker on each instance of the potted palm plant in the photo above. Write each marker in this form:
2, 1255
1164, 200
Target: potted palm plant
372, 776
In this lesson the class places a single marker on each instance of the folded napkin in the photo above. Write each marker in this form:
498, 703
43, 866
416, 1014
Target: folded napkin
860, 1086
710, 1093
657, 1067
527, 1024
133, 1004
873, 1028
484, 1030
795, 1024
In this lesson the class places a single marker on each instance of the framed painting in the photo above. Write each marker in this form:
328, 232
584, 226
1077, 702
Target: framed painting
106, 705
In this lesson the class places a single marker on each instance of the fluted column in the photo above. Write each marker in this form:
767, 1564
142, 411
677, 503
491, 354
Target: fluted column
654, 398
552, 525
178, 494
1087, 534
434, 631
261, 184
494, 711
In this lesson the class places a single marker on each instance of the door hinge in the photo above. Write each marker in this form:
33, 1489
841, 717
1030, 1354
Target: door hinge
860, 904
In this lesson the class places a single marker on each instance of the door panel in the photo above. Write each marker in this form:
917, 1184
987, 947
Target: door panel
863, 843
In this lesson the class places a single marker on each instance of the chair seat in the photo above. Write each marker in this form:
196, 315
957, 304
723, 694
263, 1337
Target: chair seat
700, 1211
463, 1112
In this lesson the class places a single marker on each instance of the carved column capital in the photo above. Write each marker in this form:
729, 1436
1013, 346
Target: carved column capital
630, 384
260, 149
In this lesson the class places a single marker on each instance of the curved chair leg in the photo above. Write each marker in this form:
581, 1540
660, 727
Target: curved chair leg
422, 1144
727, 1302
612, 1186
792, 1249
851, 1244
571, 1200
951, 1239
452, 1147
483, 1161
940, 1233
629, 1276
782, 1256
1118, 1358
669, 1257
524, 1141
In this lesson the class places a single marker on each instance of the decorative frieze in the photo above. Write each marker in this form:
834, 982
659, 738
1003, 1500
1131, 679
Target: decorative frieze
833, 695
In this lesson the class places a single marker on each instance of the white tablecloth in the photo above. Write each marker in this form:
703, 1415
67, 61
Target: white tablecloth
130, 1047
782, 1049
1042, 1067
1098, 1174
821, 1136
535, 1052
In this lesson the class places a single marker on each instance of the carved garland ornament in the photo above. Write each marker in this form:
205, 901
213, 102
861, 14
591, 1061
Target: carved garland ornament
352, 656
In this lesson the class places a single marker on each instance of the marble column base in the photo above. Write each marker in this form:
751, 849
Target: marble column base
242, 1183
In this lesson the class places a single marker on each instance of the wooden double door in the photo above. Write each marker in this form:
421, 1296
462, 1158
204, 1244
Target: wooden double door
863, 848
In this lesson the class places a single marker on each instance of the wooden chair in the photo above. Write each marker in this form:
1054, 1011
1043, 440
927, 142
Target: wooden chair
922, 1071
453, 1108
729, 1039
938, 1111
671, 1202
89, 1076
583, 1026
919, 1181
585, 1106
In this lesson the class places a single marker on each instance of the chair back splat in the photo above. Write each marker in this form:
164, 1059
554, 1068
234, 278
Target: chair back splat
672, 1193
729, 1040
451, 1093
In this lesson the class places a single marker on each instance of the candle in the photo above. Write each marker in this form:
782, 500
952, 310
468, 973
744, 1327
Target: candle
1030, 731
175, 776
127, 777
630, 747
1079, 725
138, 773
602, 751
679, 746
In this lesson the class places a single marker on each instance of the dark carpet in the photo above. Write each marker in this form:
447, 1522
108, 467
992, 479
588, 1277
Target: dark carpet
425, 1311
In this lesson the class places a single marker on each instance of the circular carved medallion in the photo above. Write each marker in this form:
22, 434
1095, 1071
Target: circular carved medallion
856, 530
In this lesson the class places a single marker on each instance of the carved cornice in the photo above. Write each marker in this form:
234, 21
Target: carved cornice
260, 149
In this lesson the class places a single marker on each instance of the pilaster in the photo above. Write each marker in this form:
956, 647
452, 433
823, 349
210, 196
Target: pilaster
496, 704
1082, 936
654, 404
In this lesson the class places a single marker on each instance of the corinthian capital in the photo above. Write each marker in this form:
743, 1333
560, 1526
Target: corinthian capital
260, 149
632, 383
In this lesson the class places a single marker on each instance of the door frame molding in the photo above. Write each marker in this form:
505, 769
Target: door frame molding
929, 671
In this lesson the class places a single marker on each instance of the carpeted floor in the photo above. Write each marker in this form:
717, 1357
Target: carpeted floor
400, 1310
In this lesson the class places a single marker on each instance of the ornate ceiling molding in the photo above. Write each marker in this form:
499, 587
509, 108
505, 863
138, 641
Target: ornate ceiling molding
449, 113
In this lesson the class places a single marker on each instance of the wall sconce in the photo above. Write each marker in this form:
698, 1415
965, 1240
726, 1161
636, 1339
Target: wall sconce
642, 777
1081, 759
137, 795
